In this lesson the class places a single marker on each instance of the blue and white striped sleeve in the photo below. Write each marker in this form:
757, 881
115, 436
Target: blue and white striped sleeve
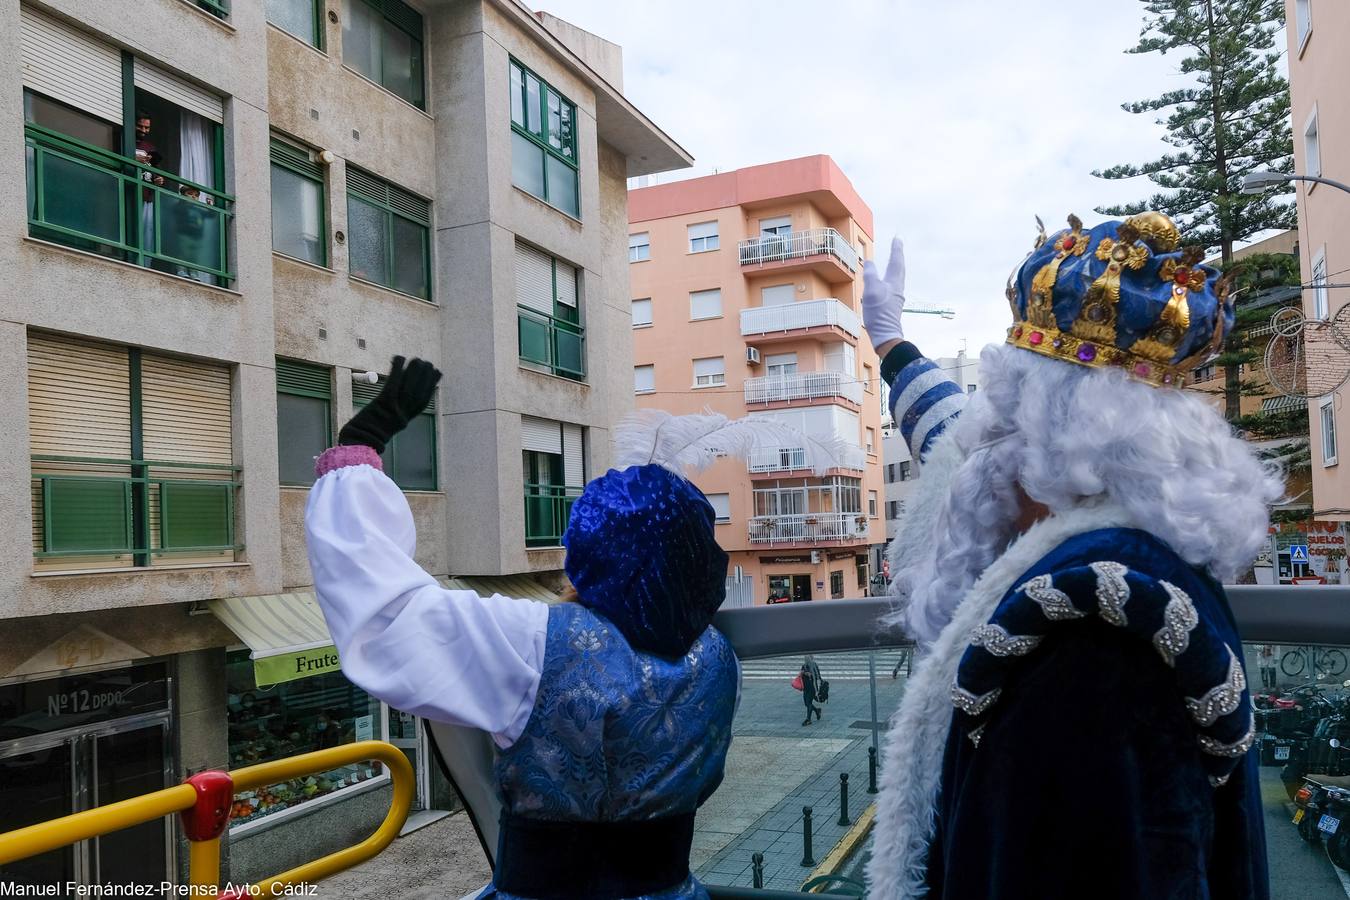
923, 399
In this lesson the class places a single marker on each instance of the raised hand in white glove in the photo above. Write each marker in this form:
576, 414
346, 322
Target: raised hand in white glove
884, 299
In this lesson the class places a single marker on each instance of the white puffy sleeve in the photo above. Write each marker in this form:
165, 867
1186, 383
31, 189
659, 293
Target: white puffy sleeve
450, 656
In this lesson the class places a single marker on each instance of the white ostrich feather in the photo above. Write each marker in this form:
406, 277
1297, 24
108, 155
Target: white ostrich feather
688, 444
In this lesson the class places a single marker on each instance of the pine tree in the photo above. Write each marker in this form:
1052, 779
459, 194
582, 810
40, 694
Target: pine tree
1234, 120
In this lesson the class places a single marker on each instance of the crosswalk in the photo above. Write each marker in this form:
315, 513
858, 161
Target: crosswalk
851, 666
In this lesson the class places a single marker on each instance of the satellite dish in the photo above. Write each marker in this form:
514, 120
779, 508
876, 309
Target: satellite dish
1308, 358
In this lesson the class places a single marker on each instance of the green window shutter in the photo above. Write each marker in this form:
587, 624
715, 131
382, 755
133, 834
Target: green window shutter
363, 393
401, 14
304, 379
376, 190
296, 158
410, 456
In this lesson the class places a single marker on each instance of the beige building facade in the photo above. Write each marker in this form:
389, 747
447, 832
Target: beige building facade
233, 215
1318, 73
746, 298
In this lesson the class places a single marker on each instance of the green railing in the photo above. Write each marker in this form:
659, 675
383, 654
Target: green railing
220, 8
554, 343
547, 507
141, 513
89, 198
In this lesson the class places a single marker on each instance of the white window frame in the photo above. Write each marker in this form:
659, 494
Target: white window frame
703, 237
639, 247
710, 378
649, 370
778, 228
1303, 22
1326, 413
706, 297
648, 323
870, 437
725, 500
868, 375
1321, 298
1312, 147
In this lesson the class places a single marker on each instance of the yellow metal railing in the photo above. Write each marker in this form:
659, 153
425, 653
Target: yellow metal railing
204, 802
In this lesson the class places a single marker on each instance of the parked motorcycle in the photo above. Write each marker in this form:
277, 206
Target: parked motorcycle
1322, 815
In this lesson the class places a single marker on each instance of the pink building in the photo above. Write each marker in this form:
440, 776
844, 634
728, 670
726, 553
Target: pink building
1319, 69
747, 290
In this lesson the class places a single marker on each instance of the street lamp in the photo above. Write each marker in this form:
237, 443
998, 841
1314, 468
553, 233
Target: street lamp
1257, 182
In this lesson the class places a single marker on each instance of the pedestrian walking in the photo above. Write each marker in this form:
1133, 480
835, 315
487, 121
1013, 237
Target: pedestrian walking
810, 676
1265, 661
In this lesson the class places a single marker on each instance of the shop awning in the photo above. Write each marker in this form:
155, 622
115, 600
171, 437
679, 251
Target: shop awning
522, 586
286, 633
1282, 404
289, 639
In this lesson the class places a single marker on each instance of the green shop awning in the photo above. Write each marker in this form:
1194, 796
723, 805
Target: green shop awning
285, 632
522, 586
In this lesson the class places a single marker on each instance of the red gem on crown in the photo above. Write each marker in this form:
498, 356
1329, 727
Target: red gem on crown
1036, 338
1069, 242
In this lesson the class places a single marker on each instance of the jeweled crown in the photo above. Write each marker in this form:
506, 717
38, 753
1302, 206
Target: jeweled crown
1121, 294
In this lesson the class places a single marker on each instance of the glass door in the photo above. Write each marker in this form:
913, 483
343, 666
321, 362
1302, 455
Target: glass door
37, 782
405, 733
124, 762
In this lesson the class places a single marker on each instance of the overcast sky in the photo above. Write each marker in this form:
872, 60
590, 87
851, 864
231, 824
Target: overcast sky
956, 121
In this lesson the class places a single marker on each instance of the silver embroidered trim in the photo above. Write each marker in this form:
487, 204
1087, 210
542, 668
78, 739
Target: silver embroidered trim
1233, 750
976, 734
1220, 780
1112, 591
972, 704
1179, 617
999, 642
1055, 604
1221, 699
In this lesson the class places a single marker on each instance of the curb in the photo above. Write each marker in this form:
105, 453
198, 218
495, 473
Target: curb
850, 842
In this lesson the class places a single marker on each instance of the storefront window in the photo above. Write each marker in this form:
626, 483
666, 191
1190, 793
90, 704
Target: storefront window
296, 717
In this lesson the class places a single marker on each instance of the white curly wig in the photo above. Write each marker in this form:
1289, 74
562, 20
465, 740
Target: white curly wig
1069, 435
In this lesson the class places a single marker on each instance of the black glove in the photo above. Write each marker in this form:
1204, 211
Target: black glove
406, 393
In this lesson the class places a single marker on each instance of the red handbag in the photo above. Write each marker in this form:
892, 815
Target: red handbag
797, 683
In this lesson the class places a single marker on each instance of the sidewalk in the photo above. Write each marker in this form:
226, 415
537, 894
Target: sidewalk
441, 861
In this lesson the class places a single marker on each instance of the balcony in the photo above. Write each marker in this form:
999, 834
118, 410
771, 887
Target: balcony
91, 199
784, 389
827, 319
551, 343
547, 508
91, 511
779, 460
822, 250
809, 528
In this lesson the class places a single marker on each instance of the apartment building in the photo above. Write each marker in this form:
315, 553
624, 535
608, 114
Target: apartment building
746, 300
234, 214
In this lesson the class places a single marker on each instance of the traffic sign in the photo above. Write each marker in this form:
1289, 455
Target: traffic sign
1298, 553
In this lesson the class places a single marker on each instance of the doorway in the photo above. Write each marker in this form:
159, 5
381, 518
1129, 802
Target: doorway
53, 775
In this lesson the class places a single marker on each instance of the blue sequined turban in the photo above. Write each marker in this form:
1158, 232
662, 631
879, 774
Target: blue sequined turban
641, 552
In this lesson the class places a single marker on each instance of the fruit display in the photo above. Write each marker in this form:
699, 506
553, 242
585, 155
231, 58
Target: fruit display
251, 805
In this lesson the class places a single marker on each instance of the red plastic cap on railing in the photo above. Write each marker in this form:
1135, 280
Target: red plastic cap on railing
207, 819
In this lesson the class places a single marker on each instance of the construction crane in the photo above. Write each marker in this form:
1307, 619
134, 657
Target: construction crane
926, 310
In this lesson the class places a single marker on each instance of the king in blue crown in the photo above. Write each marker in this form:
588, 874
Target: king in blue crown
1078, 723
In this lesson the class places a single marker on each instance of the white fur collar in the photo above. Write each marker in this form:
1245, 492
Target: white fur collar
915, 743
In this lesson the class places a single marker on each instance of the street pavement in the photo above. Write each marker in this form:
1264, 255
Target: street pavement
1298, 870
776, 766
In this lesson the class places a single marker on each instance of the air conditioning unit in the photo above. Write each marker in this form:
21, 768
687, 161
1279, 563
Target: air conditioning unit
752, 356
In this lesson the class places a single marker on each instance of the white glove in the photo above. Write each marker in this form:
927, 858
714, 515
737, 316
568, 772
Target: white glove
884, 298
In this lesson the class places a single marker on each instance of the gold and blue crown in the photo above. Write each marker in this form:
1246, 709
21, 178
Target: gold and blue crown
1121, 294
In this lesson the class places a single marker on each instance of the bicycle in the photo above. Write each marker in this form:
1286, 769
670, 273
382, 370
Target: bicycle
1326, 662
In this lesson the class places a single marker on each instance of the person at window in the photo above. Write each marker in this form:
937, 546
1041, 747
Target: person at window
147, 154
1061, 570
611, 713
327, 730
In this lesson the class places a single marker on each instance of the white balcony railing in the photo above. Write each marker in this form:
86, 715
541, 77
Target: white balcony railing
787, 459
802, 314
771, 248
803, 386
808, 527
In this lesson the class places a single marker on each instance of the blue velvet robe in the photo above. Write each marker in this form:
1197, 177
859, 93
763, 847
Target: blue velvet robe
1087, 775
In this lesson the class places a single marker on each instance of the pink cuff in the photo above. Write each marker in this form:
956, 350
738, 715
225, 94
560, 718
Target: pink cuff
346, 455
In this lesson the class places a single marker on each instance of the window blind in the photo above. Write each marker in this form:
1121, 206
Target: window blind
66, 64
534, 279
